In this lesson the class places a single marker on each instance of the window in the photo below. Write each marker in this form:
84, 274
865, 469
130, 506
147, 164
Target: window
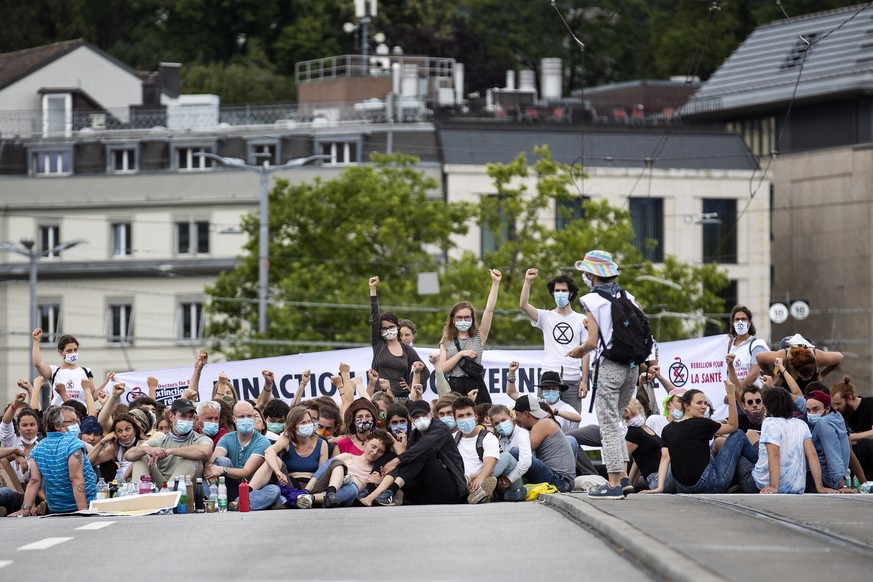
51, 162
647, 218
263, 152
120, 323
192, 237
122, 159
185, 158
566, 211
121, 239
49, 321
493, 235
191, 320
57, 114
340, 152
720, 231
49, 238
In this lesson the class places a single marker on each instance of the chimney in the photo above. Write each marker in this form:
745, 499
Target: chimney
151, 90
510, 80
459, 83
550, 79
170, 75
527, 81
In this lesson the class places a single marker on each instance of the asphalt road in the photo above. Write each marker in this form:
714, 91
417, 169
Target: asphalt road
499, 541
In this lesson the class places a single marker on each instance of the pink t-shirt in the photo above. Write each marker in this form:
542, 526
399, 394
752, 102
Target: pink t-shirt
345, 445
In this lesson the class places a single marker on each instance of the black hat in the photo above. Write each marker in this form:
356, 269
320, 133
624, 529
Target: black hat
552, 380
418, 406
182, 405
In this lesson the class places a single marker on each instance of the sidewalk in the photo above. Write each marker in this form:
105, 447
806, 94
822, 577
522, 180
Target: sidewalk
735, 537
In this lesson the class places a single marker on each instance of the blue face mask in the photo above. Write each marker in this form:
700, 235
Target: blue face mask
463, 325
210, 428
678, 414
276, 427
504, 428
466, 425
306, 430
813, 418
74, 430
551, 396
245, 425
562, 298
450, 422
397, 428
183, 427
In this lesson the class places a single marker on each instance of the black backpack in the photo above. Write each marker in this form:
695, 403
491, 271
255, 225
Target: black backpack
631, 337
480, 439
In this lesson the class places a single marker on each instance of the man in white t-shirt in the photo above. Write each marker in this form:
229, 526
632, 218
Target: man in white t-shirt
563, 329
480, 451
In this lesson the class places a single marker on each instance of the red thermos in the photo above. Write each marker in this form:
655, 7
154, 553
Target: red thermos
244, 496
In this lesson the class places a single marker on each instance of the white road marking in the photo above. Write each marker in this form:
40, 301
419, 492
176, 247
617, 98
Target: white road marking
44, 543
96, 525
5, 563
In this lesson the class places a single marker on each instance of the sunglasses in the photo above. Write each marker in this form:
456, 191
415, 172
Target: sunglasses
755, 401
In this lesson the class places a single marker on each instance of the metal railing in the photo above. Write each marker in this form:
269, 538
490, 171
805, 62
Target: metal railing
330, 68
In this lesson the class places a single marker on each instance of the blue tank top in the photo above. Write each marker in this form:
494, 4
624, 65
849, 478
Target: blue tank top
294, 463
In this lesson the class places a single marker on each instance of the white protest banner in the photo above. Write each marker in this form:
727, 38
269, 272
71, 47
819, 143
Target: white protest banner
695, 363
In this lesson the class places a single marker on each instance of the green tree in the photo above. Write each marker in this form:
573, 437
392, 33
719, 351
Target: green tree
327, 238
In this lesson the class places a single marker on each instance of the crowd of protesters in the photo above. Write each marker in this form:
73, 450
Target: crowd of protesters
382, 444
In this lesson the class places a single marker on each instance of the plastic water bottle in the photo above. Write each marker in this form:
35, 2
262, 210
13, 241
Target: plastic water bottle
102, 489
213, 493
222, 495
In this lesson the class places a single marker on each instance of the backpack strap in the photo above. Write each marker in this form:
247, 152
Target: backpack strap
480, 440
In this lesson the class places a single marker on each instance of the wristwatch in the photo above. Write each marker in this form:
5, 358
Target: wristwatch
225, 471
25, 507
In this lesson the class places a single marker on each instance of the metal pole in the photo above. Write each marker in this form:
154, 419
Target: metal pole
365, 49
34, 321
264, 253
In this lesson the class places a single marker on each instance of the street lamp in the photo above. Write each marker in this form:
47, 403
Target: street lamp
263, 172
25, 247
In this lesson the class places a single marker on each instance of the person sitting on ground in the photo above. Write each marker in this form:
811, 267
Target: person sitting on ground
551, 386
398, 427
480, 450
554, 460
516, 442
275, 413
673, 411
462, 338
360, 419
805, 363
644, 448
289, 462
443, 410
59, 467
347, 477
392, 359
110, 408
108, 454
858, 414
649, 374
144, 420
239, 454
431, 470
224, 390
441, 384
69, 373
181, 452
784, 443
208, 416
687, 442
19, 433
260, 423
830, 437
145, 403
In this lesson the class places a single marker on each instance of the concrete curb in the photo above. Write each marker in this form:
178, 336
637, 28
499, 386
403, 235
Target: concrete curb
660, 557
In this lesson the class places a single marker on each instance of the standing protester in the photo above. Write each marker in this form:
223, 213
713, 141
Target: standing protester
69, 373
562, 329
745, 347
392, 359
463, 342
623, 345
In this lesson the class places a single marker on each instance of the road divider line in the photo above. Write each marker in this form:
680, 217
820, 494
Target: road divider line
4, 563
96, 525
44, 543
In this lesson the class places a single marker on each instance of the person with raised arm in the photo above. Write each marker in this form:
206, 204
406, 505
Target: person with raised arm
69, 373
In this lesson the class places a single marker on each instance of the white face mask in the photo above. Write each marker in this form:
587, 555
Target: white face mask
422, 423
586, 278
638, 420
71, 358
741, 327
389, 334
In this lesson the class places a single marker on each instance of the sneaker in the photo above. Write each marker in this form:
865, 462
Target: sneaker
606, 492
483, 493
304, 501
626, 486
330, 500
386, 499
